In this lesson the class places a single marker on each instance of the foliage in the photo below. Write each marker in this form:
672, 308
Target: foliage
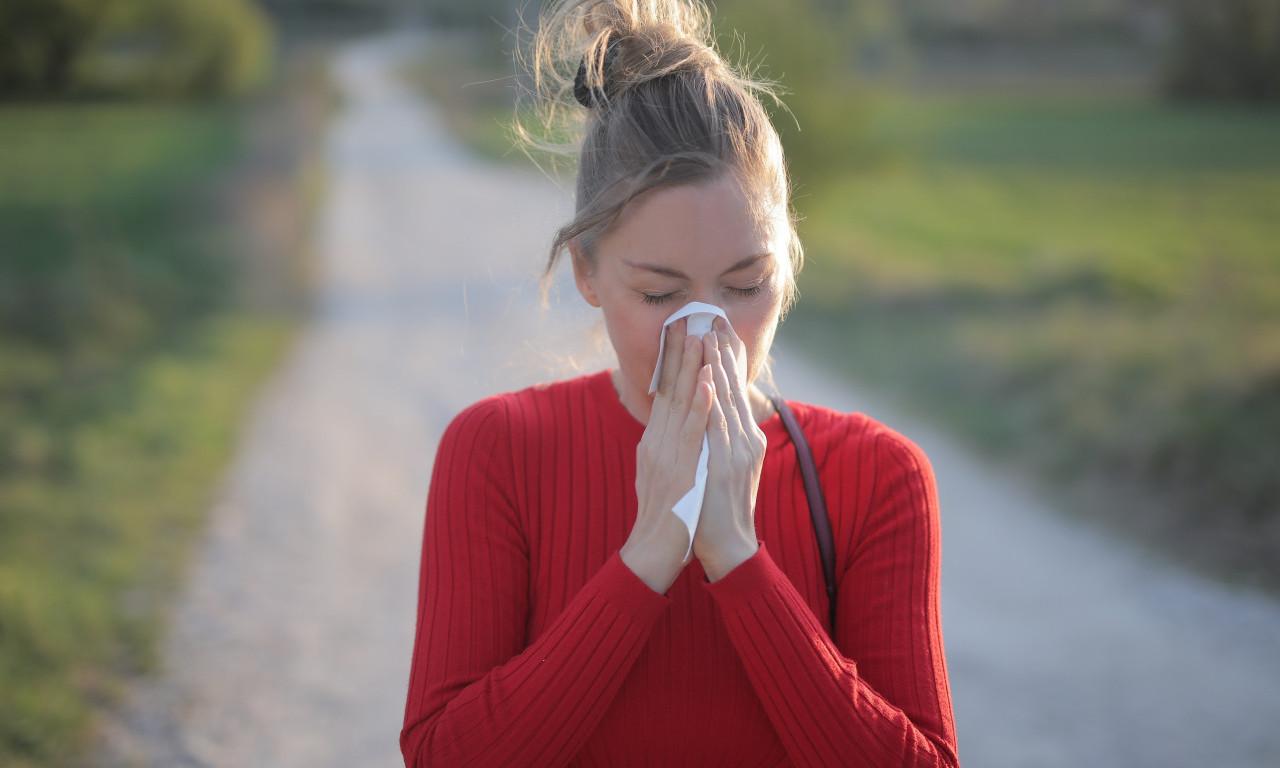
1227, 49
202, 48
114, 483
42, 41
209, 48
120, 387
1091, 285
808, 46
93, 200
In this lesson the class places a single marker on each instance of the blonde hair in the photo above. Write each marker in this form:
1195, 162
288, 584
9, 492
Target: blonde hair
655, 105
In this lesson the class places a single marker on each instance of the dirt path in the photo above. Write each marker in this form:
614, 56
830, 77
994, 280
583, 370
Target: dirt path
291, 644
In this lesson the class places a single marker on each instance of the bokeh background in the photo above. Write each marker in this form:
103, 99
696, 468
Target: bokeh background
1051, 225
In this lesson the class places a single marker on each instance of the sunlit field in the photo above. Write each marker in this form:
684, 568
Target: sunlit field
1092, 283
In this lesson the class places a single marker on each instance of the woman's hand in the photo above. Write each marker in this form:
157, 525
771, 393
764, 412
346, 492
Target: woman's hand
667, 459
726, 531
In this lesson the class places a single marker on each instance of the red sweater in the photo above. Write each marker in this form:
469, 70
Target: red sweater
537, 646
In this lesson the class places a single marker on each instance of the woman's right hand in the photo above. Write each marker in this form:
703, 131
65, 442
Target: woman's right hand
667, 460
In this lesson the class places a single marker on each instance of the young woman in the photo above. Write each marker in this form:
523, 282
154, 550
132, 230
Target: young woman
565, 616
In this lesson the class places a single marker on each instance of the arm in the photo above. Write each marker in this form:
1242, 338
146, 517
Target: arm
880, 696
477, 694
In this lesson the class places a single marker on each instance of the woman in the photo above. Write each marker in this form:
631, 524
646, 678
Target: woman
566, 617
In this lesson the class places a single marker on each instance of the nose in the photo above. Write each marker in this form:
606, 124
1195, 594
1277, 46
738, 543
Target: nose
708, 297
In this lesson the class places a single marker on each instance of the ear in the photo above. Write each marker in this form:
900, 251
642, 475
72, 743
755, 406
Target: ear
583, 274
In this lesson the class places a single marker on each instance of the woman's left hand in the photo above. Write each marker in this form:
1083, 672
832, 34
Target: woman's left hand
726, 535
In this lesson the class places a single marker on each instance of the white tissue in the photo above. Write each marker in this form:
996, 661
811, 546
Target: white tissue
701, 316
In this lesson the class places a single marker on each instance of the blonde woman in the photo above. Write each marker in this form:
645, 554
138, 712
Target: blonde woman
567, 616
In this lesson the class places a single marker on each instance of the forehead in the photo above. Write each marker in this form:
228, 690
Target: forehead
713, 224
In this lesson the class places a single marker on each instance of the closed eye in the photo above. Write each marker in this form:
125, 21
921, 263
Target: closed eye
658, 298
750, 290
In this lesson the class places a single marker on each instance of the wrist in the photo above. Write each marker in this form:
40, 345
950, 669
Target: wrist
657, 570
719, 565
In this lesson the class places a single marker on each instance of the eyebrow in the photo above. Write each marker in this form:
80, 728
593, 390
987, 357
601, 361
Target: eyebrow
669, 272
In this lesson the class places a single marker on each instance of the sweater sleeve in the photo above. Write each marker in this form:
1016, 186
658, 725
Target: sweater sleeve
477, 695
878, 695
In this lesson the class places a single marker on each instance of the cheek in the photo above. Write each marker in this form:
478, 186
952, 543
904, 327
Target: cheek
635, 336
756, 326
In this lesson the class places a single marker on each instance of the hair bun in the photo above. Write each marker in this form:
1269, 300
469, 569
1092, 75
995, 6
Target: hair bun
596, 97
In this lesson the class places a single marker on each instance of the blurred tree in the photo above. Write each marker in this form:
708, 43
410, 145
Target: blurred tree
209, 48
141, 47
1226, 49
42, 41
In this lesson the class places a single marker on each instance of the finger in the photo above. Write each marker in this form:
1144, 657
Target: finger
718, 433
673, 333
689, 366
660, 415
733, 354
658, 418
661, 403
694, 427
725, 396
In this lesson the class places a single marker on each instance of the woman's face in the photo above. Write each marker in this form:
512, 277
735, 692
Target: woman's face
679, 244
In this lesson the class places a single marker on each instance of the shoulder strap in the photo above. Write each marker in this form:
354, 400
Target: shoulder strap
817, 502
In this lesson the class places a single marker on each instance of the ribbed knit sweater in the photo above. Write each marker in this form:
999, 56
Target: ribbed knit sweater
537, 646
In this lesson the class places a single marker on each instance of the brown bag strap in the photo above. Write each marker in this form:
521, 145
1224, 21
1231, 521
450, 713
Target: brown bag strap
817, 502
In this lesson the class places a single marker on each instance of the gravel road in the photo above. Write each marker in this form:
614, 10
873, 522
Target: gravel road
290, 644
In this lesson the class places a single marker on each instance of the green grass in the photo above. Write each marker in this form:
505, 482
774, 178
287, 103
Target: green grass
67, 154
948, 228
1092, 284
89, 553
103, 225
1101, 135
125, 367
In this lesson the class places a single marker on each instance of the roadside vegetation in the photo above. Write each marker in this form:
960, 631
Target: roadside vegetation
153, 267
1089, 286
1079, 274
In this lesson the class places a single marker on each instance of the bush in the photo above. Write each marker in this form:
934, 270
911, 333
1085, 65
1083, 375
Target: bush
206, 48
167, 48
1226, 50
42, 41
